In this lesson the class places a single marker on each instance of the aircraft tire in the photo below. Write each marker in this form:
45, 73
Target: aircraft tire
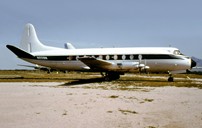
170, 79
112, 76
107, 78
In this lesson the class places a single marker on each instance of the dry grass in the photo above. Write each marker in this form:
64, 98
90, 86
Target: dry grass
40, 76
126, 82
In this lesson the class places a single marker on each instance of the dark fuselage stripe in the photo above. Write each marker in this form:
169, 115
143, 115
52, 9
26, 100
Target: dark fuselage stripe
110, 57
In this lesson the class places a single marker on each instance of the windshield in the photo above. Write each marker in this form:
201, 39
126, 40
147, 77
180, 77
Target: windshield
177, 52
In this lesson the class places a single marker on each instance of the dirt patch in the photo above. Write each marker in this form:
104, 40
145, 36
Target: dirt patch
50, 105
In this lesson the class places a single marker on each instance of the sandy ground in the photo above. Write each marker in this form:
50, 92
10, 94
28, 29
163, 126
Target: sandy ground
33, 105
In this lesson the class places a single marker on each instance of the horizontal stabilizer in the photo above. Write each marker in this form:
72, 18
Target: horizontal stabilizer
20, 53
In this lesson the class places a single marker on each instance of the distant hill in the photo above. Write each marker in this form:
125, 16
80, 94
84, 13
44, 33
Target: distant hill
198, 68
198, 61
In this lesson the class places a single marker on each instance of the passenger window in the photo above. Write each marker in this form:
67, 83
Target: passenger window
123, 57
107, 57
131, 57
115, 57
100, 56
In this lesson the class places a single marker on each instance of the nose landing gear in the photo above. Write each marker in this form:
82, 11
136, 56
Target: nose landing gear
170, 77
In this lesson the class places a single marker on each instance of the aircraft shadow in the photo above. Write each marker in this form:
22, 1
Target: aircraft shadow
75, 82
84, 81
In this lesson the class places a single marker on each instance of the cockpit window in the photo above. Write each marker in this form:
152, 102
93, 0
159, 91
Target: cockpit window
177, 52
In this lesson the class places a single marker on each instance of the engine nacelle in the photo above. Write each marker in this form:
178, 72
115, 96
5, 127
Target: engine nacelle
130, 66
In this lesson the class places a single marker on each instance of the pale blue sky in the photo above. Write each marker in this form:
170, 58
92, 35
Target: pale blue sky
102, 23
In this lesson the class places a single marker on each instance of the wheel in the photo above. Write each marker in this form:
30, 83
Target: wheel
107, 78
170, 79
112, 76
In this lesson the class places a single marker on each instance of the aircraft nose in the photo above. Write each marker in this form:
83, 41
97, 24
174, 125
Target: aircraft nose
193, 63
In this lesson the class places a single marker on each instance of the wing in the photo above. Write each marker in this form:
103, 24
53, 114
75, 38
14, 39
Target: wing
96, 64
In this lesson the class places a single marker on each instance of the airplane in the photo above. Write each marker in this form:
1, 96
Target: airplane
112, 61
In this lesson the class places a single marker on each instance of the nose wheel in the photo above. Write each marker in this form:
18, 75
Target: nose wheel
170, 77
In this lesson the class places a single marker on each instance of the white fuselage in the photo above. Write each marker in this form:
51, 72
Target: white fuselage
158, 59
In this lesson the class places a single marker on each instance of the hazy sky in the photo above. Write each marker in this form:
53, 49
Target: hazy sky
102, 23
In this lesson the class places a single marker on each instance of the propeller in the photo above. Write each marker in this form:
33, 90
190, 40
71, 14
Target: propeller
142, 66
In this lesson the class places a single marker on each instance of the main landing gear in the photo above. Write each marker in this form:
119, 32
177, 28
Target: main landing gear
108, 76
170, 77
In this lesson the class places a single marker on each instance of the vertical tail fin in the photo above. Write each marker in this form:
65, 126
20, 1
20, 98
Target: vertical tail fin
69, 46
30, 41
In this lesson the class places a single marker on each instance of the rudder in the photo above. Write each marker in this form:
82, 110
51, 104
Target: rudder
30, 42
